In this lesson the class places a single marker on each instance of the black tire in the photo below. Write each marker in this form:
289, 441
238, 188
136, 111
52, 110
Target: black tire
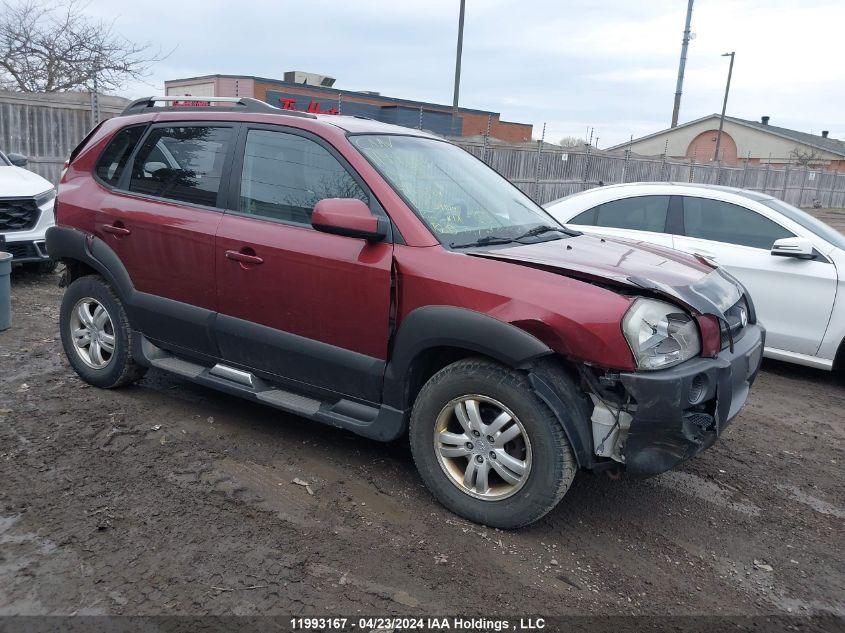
553, 464
121, 368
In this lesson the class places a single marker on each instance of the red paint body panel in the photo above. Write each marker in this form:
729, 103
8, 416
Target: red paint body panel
170, 249
324, 287
344, 213
575, 318
609, 260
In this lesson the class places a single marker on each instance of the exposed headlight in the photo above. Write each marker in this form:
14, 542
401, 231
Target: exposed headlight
660, 334
43, 198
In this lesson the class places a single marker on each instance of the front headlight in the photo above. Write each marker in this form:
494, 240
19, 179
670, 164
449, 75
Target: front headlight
660, 334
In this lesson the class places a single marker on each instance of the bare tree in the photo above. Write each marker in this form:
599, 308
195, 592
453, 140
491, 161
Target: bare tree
806, 157
572, 141
46, 47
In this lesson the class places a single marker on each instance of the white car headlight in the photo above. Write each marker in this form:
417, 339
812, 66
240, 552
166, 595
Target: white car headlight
660, 335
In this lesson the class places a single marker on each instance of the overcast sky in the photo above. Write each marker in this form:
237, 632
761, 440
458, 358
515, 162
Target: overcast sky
574, 64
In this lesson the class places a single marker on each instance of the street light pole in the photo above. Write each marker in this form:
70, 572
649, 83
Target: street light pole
458, 67
724, 104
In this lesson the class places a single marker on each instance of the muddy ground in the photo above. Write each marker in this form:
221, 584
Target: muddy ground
167, 498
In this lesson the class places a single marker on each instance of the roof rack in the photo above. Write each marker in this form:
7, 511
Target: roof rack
190, 102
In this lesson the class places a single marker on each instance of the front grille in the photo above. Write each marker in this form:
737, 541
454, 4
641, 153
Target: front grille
18, 215
22, 250
737, 316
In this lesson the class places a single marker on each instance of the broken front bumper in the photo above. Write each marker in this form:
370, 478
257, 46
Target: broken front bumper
682, 410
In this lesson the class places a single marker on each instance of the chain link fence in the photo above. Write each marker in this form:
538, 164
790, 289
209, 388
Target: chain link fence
549, 173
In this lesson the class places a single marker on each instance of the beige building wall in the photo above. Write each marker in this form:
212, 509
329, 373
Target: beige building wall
760, 144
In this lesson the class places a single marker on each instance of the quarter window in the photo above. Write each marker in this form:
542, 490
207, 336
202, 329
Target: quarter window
285, 175
724, 222
113, 160
182, 163
641, 213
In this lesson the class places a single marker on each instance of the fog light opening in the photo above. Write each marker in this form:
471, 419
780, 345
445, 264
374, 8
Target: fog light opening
698, 389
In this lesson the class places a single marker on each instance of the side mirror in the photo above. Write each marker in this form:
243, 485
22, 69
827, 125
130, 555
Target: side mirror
18, 160
349, 217
797, 247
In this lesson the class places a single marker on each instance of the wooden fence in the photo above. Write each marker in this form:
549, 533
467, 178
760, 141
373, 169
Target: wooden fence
46, 127
547, 174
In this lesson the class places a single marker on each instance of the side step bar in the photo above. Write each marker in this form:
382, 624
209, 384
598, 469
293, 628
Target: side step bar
377, 422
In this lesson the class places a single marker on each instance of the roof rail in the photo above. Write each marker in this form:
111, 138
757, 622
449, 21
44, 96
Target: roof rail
189, 102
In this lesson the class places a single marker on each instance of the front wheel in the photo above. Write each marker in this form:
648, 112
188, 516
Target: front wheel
487, 447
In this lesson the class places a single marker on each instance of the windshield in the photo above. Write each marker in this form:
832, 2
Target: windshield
462, 200
4, 162
806, 220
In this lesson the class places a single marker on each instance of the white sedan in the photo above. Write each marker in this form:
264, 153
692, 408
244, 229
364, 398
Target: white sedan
792, 264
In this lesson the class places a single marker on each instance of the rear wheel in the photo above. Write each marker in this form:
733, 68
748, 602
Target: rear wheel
487, 447
96, 334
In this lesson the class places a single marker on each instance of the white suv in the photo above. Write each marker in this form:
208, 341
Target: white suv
26, 212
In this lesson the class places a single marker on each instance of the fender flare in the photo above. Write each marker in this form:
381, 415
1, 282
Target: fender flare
449, 326
68, 243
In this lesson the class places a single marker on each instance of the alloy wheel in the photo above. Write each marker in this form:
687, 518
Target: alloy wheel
92, 333
482, 447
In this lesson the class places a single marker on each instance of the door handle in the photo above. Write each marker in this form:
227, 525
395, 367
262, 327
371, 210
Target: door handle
116, 229
244, 258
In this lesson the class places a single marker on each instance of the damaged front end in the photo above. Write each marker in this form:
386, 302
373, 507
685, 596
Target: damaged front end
654, 418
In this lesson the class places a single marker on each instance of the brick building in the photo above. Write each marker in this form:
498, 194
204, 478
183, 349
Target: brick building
314, 93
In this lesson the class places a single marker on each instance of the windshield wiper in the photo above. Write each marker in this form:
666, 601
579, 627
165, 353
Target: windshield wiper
539, 230
500, 239
484, 241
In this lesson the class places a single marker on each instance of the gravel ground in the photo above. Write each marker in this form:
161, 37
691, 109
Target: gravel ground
167, 498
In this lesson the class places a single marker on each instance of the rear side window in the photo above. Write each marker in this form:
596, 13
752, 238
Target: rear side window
182, 163
725, 222
587, 218
643, 213
113, 160
285, 175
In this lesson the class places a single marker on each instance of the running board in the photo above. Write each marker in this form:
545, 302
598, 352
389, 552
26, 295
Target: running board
376, 422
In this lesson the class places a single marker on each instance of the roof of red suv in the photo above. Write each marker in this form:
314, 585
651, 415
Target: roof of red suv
244, 109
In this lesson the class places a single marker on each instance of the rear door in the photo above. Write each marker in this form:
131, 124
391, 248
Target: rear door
160, 217
308, 307
641, 218
793, 297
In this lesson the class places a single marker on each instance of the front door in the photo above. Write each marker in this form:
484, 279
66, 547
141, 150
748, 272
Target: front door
309, 307
793, 297
160, 217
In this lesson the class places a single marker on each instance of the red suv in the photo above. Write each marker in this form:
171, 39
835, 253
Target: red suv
381, 280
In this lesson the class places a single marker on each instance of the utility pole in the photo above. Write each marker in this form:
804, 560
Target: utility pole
458, 67
95, 97
724, 104
684, 46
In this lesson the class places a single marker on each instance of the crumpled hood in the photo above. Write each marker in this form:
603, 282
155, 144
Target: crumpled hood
662, 271
16, 182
